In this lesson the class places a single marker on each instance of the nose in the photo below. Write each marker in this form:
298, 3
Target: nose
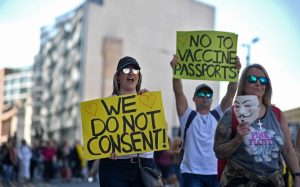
257, 82
242, 111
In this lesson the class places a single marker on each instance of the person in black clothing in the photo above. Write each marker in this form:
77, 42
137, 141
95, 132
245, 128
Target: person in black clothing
34, 159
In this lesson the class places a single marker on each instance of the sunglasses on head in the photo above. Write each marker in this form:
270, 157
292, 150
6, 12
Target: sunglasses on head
127, 70
262, 80
204, 94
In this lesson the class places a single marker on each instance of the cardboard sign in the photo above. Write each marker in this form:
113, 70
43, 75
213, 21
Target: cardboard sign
124, 125
206, 55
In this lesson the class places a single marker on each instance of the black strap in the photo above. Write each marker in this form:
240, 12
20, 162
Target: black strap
191, 117
215, 114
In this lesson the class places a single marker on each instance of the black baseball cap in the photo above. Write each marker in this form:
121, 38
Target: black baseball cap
126, 61
202, 86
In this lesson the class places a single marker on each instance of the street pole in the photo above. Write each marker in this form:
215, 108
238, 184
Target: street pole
248, 46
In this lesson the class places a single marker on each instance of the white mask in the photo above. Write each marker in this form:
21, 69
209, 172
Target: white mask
246, 108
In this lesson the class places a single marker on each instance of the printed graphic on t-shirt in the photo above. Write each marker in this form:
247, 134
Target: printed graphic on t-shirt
263, 144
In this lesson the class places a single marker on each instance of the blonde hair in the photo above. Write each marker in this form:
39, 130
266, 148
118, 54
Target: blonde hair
266, 100
116, 84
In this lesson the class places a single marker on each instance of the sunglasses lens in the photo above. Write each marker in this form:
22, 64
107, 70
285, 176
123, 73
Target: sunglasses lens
203, 94
135, 71
200, 94
209, 95
126, 70
252, 79
263, 80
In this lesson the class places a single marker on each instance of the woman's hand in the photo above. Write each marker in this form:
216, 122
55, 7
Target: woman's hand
174, 62
238, 64
113, 156
242, 130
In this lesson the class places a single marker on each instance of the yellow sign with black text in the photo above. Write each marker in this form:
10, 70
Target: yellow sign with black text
124, 125
206, 55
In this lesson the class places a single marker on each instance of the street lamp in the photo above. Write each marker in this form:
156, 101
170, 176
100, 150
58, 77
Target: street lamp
248, 46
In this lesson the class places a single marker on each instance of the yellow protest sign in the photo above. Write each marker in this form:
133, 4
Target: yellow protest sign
206, 55
123, 124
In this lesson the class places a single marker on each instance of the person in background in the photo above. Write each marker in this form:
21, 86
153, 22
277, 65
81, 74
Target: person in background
163, 160
35, 149
175, 167
48, 153
25, 155
77, 161
199, 164
123, 171
64, 159
256, 164
6, 162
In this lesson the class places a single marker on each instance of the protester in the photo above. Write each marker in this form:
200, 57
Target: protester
254, 150
199, 164
25, 155
77, 161
124, 170
63, 155
48, 153
34, 161
175, 168
93, 167
163, 161
7, 162
14, 156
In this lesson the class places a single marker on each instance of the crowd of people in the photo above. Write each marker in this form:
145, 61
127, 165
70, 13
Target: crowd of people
41, 161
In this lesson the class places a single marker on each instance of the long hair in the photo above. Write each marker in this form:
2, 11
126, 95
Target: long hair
267, 97
116, 84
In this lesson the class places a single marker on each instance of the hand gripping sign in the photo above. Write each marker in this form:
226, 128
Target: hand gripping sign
124, 125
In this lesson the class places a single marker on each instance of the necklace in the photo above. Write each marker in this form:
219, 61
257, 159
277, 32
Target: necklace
204, 119
259, 124
262, 113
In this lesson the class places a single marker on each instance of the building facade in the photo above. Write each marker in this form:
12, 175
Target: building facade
16, 103
79, 54
293, 119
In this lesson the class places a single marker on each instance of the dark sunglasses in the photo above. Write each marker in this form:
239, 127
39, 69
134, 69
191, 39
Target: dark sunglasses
127, 70
204, 94
262, 80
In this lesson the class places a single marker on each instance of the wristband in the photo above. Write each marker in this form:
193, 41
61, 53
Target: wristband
297, 174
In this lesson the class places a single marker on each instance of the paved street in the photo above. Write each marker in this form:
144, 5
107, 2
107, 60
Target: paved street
55, 184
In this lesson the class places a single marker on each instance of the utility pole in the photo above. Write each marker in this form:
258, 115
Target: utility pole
248, 46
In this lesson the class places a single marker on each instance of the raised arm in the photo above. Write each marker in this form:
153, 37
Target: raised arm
231, 90
181, 101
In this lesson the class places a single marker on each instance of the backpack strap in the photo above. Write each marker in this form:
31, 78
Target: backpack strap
191, 117
277, 112
215, 114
